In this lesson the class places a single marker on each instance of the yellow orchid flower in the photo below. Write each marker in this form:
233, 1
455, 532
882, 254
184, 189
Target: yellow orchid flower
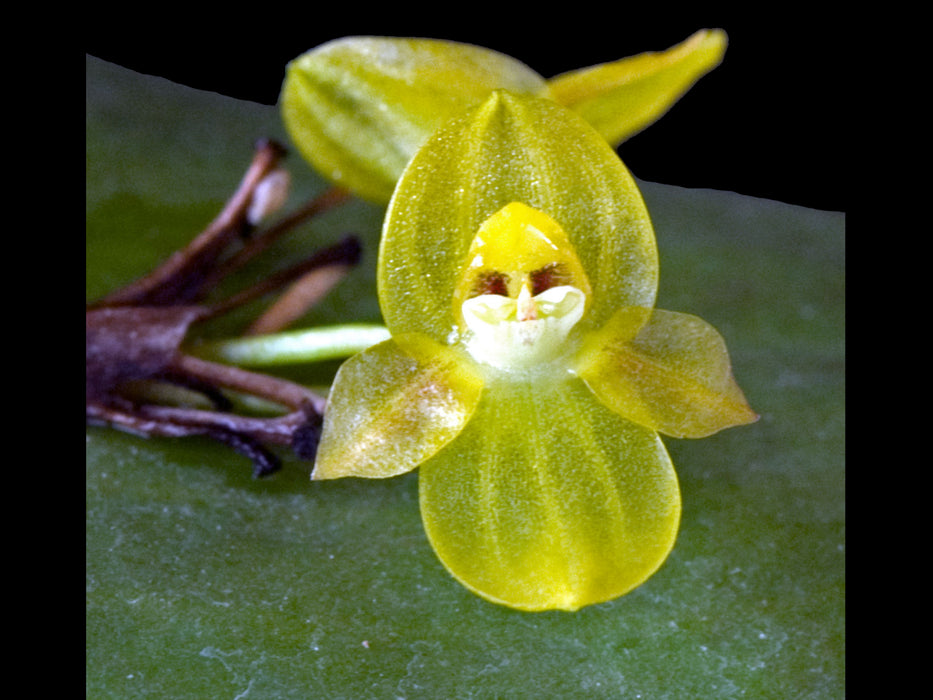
359, 107
528, 374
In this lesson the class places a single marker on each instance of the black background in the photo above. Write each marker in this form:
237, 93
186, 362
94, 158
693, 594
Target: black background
769, 122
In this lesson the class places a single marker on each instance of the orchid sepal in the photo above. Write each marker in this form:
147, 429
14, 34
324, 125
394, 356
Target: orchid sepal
623, 97
359, 107
475, 167
548, 500
394, 405
665, 370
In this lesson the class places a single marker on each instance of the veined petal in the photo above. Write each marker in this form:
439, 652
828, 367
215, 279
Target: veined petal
674, 375
359, 107
512, 149
548, 500
621, 98
393, 406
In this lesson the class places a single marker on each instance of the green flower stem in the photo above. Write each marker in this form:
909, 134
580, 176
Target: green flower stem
290, 347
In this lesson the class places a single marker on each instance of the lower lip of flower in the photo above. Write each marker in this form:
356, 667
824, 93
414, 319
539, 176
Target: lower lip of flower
519, 333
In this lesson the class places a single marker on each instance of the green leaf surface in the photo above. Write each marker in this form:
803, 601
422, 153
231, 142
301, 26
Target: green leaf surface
203, 582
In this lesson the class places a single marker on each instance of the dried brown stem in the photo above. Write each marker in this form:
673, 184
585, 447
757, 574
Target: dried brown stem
298, 429
316, 206
134, 335
341, 256
274, 389
181, 277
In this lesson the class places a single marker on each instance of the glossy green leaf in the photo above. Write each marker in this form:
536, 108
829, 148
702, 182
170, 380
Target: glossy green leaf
674, 375
548, 500
202, 582
476, 165
393, 406
623, 97
359, 107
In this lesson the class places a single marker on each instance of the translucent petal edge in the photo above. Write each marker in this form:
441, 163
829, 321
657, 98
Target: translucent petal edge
363, 161
393, 406
623, 97
674, 375
358, 107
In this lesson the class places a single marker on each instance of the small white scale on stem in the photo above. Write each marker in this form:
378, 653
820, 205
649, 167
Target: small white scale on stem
269, 196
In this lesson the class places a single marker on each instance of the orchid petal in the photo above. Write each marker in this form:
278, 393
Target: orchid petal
393, 406
359, 107
671, 374
547, 500
623, 97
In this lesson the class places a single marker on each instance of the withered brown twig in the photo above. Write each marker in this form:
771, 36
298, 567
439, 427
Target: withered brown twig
135, 334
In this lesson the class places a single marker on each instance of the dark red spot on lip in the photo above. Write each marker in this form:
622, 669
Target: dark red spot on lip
492, 283
552, 275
